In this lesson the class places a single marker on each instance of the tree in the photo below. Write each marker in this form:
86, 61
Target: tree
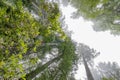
39, 69
104, 23
29, 32
98, 12
106, 71
62, 63
86, 54
85, 8
109, 70
18, 30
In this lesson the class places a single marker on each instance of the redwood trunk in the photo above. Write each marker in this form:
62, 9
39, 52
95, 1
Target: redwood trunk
89, 74
32, 74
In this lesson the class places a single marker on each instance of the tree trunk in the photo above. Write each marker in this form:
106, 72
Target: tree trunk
35, 72
89, 74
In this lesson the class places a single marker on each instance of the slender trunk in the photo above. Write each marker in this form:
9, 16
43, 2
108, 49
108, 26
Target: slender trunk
35, 72
89, 74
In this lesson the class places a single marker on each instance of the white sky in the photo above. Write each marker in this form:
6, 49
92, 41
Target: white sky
104, 42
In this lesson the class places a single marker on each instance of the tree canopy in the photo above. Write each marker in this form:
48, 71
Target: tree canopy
103, 13
28, 33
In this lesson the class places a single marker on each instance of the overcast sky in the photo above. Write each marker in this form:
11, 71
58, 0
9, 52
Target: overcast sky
107, 44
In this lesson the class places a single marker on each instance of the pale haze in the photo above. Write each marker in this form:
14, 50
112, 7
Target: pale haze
107, 44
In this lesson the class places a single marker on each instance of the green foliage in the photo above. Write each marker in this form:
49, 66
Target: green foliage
104, 23
23, 37
68, 56
86, 8
12, 68
17, 30
98, 12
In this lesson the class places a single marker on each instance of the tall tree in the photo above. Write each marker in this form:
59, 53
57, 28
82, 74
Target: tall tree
39, 69
86, 54
29, 32
62, 63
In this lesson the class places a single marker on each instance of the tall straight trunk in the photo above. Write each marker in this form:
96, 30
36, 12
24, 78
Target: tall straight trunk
35, 72
89, 74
